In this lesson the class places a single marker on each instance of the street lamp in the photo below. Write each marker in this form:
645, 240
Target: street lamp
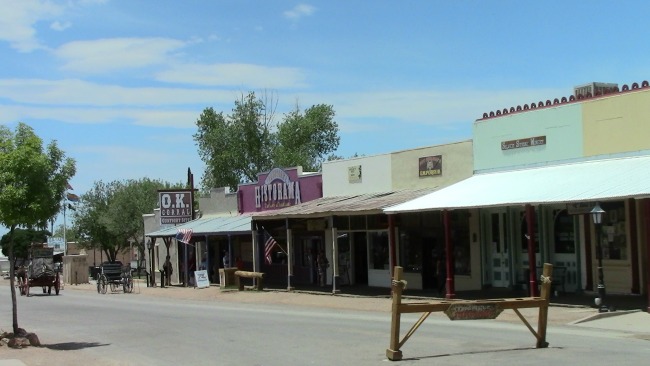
597, 216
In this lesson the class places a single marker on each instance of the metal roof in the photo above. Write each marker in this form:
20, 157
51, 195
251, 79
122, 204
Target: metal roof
210, 225
585, 181
369, 203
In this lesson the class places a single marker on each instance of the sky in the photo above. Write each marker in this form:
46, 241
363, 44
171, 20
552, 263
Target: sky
120, 84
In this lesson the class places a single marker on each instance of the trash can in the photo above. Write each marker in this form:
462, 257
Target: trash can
227, 277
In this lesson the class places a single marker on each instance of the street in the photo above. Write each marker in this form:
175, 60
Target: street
83, 327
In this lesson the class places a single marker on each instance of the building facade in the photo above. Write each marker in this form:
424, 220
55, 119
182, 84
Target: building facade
540, 169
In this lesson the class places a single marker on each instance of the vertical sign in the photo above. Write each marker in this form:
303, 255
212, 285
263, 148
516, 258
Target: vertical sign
175, 206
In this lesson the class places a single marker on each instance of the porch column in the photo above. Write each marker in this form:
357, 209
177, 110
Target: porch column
289, 257
589, 271
532, 270
451, 290
392, 244
646, 219
335, 260
634, 246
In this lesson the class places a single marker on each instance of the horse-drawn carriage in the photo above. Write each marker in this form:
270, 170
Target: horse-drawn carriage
40, 271
115, 275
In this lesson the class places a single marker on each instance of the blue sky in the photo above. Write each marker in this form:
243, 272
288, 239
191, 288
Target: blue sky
120, 84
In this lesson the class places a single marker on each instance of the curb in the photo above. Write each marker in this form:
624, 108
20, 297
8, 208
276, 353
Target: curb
603, 315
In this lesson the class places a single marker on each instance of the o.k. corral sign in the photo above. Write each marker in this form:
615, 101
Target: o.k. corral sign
175, 206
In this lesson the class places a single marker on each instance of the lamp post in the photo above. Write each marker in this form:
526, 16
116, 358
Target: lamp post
150, 274
597, 216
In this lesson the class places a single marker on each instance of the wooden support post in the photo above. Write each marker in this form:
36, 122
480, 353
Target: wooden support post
542, 318
393, 353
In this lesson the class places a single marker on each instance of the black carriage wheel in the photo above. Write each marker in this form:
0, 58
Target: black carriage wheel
49, 290
57, 286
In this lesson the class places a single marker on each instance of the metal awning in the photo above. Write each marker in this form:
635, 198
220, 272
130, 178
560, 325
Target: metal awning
361, 204
210, 225
585, 181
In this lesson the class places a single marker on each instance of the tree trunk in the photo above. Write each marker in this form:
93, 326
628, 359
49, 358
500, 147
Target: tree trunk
12, 279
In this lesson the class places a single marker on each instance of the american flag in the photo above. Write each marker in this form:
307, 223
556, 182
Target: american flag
268, 247
184, 235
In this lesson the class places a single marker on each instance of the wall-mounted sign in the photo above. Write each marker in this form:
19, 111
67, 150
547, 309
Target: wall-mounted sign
175, 206
580, 208
525, 142
277, 191
354, 174
430, 166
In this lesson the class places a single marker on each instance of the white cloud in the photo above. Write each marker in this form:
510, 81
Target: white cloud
431, 107
58, 26
106, 55
17, 20
74, 92
241, 75
76, 101
185, 118
299, 11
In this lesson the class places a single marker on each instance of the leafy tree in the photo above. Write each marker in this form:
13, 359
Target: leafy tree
33, 181
23, 238
304, 139
109, 216
237, 147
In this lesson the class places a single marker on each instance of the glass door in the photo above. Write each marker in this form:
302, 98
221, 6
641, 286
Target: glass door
500, 261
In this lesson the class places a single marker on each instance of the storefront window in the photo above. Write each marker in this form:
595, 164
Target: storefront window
411, 252
379, 257
460, 239
613, 233
564, 236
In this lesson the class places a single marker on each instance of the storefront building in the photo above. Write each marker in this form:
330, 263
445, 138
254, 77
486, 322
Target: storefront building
539, 171
276, 190
349, 225
218, 231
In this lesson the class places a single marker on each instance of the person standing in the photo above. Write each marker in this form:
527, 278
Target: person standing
167, 271
322, 263
226, 260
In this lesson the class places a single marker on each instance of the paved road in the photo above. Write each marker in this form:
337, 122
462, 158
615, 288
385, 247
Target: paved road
83, 327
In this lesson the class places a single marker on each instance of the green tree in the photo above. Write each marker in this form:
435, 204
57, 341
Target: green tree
22, 238
109, 216
33, 181
237, 147
305, 139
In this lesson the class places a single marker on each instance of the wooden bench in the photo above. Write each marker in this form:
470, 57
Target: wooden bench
258, 279
467, 310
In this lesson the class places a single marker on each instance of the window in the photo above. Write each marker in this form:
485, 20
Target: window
564, 236
411, 251
613, 232
460, 239
379, 257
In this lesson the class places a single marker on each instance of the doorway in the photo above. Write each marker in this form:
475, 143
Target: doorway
360, 247
499, 250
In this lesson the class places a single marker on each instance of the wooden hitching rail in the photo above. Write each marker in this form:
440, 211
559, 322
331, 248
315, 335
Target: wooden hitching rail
467, 310
258, 278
